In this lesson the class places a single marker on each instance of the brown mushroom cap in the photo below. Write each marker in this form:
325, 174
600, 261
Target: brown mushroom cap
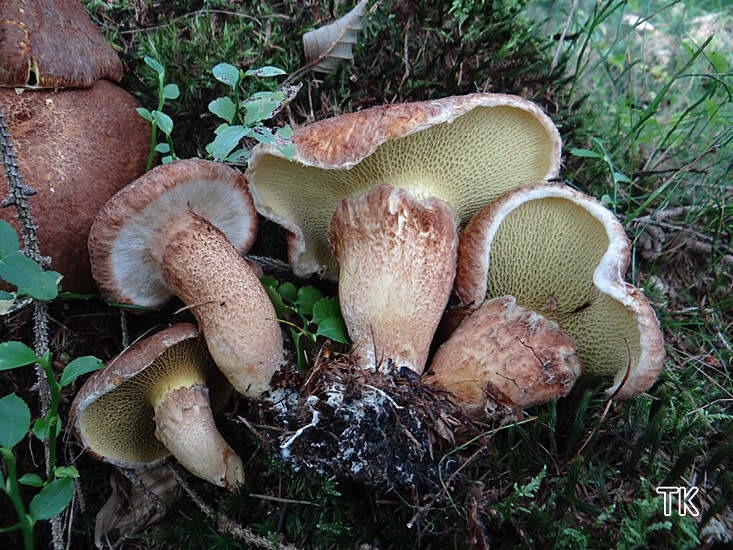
563, 255
503, 353
397, 260
122, 414
129, 225
464, 150
53, 44
76, 148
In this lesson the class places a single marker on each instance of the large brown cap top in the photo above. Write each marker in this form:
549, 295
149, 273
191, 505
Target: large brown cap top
113, 411
563, 255
76, 148
53, 44
130, 224
464, 150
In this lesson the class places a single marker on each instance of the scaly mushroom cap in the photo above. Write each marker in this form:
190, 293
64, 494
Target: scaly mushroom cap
130, 225
122, 414
563, 255
503, 353
464, 150
397, 259
53, 44
76, 148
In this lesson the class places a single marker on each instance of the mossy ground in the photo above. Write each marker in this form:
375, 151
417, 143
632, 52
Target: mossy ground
658, 129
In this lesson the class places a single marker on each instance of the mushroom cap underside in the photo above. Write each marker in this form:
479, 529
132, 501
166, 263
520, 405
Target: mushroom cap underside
563, 255
53, 44
113, 413
464, 150
127, 228
76, 148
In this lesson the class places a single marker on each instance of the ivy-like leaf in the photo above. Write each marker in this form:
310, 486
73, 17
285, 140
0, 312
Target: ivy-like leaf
53, 499
224, 108
335, 329
15, 419
79, 367
288, 292
325, 308
227, 74
265, 72
307, 297
226, 141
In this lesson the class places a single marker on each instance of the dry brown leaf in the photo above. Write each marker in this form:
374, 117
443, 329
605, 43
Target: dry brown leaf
326, 47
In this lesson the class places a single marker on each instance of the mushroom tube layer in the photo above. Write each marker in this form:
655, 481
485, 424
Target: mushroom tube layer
464, 150
153, 401
563, 255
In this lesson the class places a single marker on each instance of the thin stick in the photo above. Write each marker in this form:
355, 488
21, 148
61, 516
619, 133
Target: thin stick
226, 524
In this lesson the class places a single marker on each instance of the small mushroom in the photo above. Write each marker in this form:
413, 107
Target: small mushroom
53, 44
179, 229
76, 136
397, 259
563, 255
464, 150
152, 401
503, 354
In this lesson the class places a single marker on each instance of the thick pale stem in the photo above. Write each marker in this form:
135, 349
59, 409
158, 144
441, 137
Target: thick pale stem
185, 425
234, 312
397, 259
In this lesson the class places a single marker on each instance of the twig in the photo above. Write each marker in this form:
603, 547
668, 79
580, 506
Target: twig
561, 41
226, 524
284, 500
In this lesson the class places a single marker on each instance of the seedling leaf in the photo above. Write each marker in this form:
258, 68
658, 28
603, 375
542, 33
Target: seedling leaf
15, 419
31, 480
265, 72
226, 141
79, 367
171, 91
227, 74
53, 499
165, 123
155, 65
223, 107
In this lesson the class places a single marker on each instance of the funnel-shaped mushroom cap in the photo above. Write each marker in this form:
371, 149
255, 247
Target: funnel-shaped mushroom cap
563, 255
505, 354
397, 258
76, 148
152, 401
53, 44
131, 224
464, 150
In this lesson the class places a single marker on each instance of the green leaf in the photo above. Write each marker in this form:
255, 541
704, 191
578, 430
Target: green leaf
288, 292
264, 72
21, 271
286, 132
15, 420
15, 354
281, 309
66, 471
223, 107
41, 425
259, 109
167, 160
621, 178
171, 91
145, 113
307, 297
32, 480
226, 141
288, 150
239, 156
719, 62
335, 329
165, 123
155, 65
325, 308
227, 74
7, 301
585, 153
78, 367
264, 135
53, 499
162, 148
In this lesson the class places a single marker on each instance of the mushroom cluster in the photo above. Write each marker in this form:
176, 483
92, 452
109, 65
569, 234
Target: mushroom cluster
77, 137
376, 198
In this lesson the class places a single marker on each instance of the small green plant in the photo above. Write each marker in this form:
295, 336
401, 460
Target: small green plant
244, 118
158, 118
57, 489
309, 315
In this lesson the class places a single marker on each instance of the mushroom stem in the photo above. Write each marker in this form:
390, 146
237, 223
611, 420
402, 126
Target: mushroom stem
397, 260
234, 313
185, 425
